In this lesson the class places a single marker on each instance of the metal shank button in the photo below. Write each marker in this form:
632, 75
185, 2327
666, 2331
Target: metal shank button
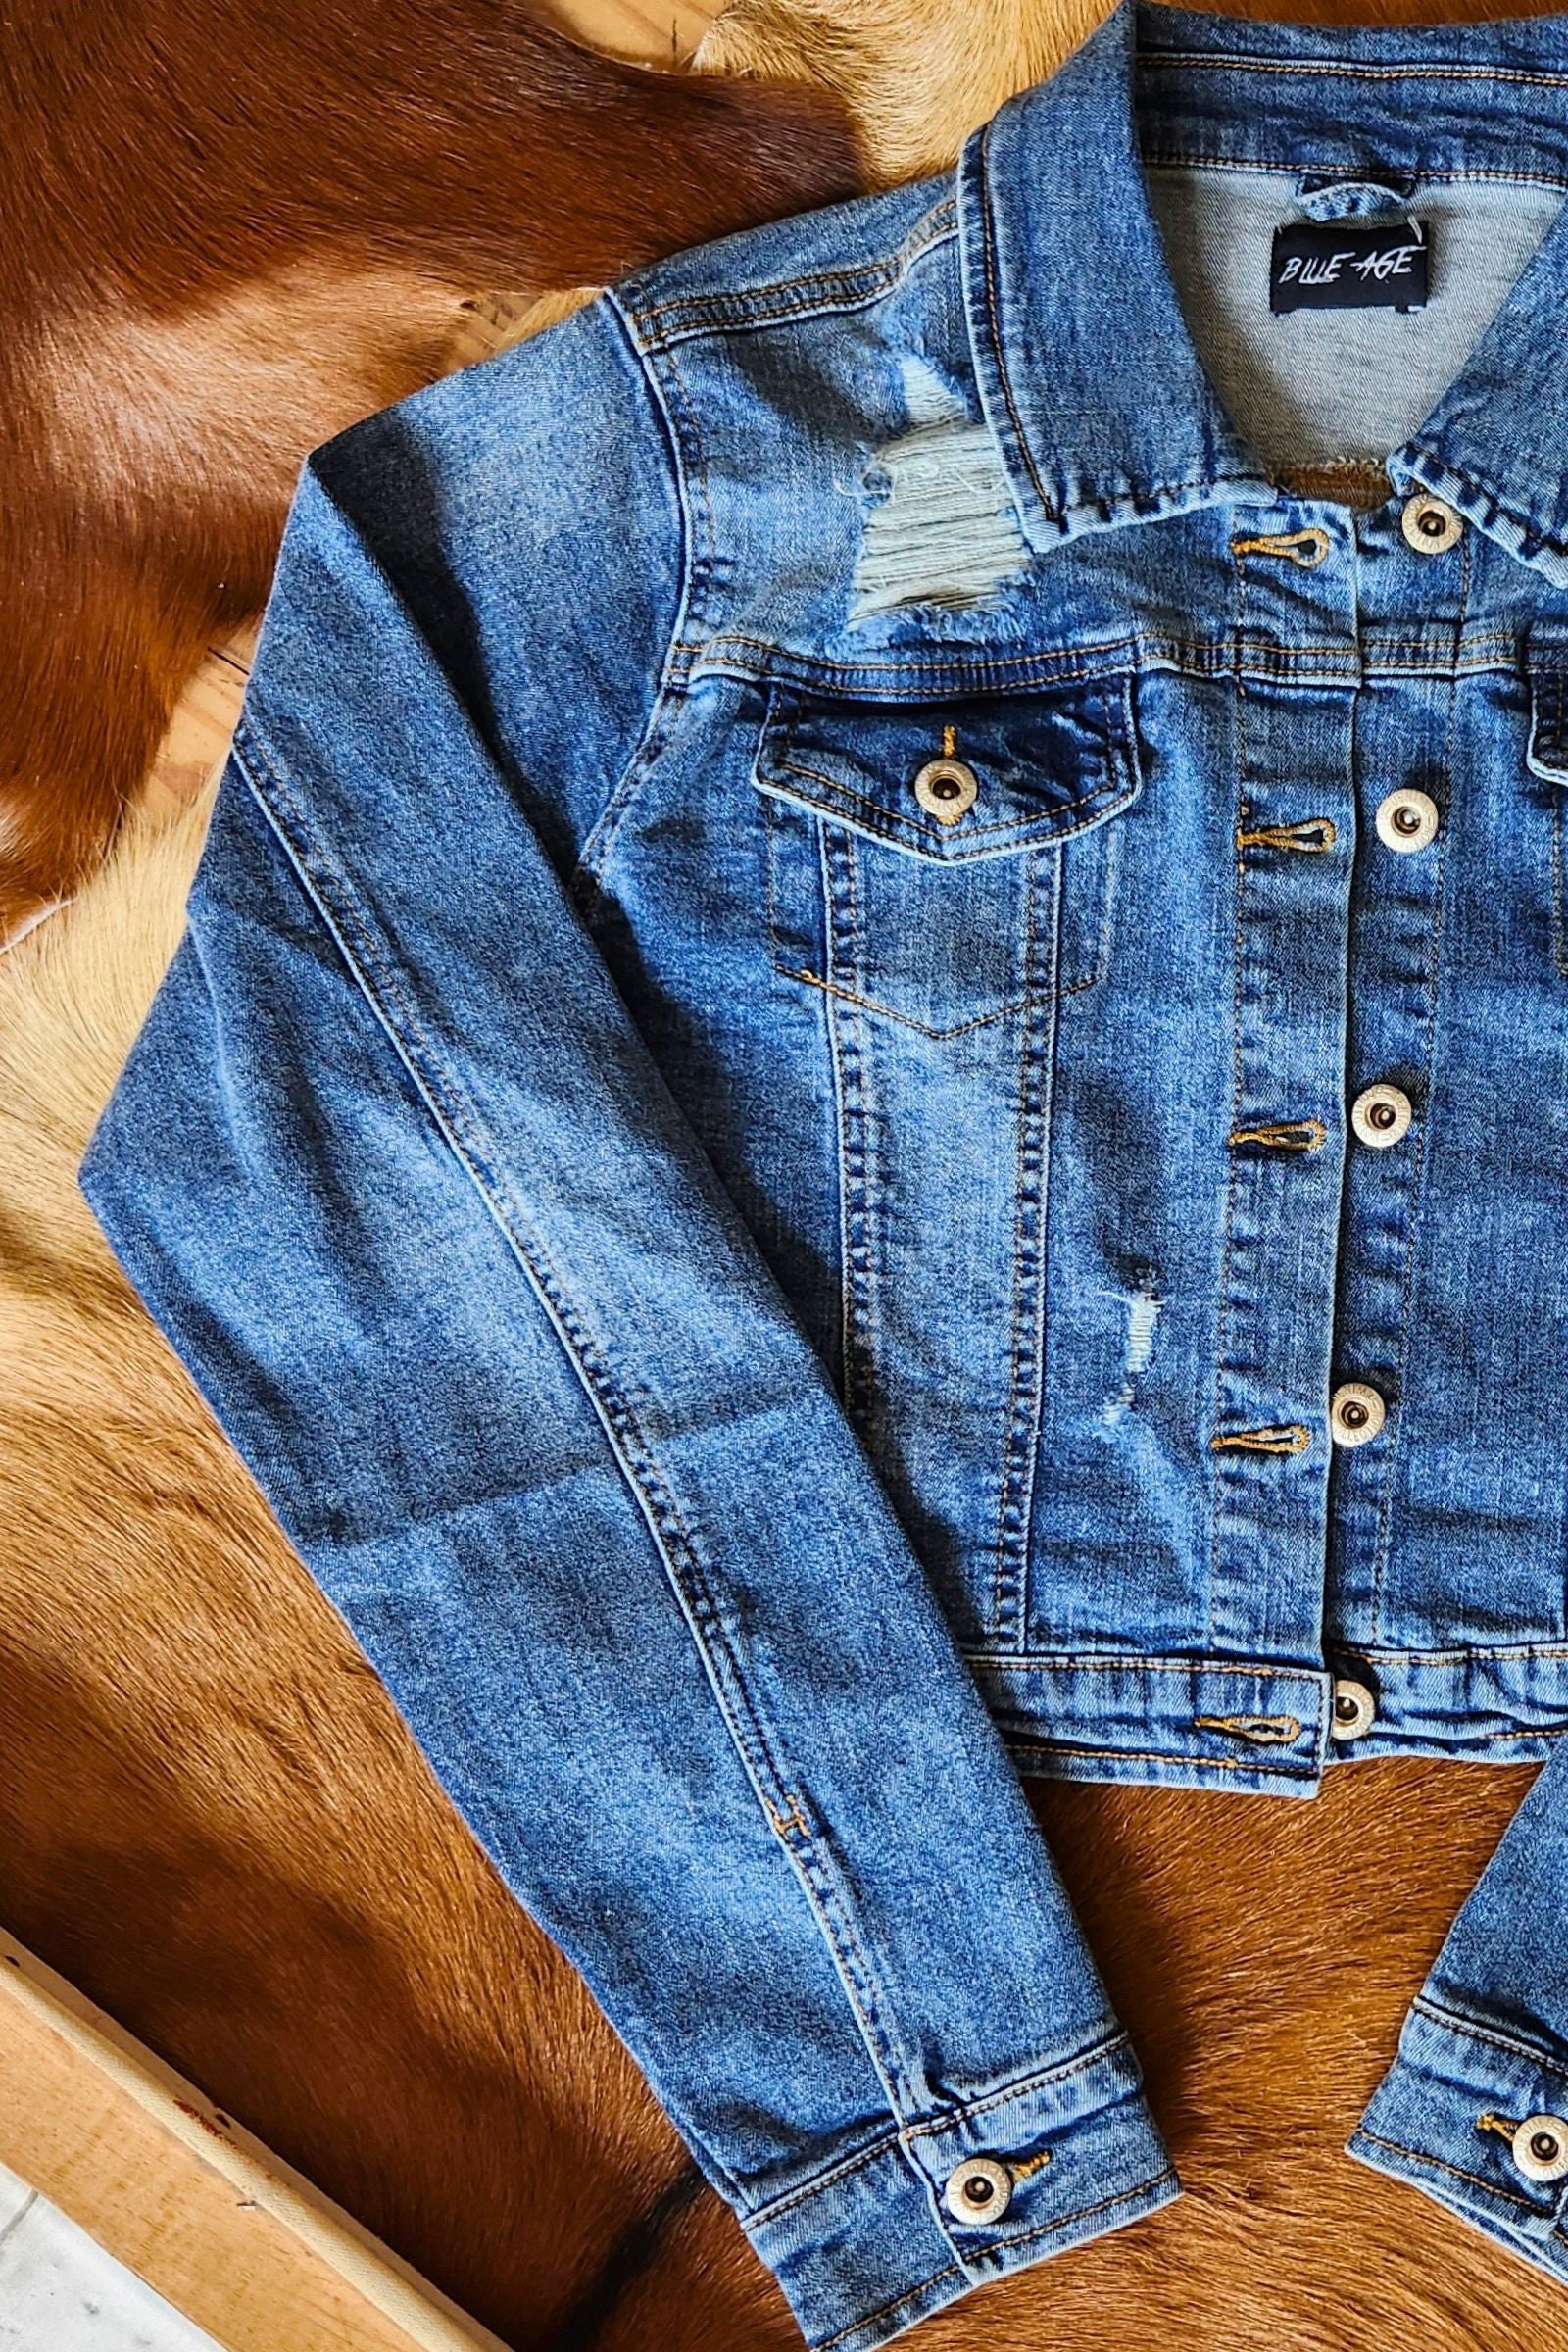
978, 2191
1355, 1710
946, 789
1541, 2148
1356, 1412
1429, 524
1406, 820
1380, 1115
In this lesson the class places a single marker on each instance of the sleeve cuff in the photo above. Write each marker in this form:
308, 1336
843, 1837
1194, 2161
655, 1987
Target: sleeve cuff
866, 2247
1444, 2119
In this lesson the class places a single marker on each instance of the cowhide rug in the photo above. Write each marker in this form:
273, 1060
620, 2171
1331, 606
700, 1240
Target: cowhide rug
212, 1819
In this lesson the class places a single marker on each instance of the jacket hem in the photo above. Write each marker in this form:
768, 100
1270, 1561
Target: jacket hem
868, 2251
1264, 1725
1189, 1722
1437, 2123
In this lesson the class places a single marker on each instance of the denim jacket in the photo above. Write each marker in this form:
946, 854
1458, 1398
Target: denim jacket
868, 1090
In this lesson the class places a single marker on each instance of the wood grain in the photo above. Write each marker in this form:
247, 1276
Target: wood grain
185, 2197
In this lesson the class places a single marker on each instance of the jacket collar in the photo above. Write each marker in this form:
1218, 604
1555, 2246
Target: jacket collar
1087, 374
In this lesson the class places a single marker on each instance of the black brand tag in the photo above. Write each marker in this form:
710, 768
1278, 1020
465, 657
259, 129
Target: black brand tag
1349, 266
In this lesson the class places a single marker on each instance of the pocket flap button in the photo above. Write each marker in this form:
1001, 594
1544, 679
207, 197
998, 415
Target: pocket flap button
946, 789
978, 2191
1541, 2148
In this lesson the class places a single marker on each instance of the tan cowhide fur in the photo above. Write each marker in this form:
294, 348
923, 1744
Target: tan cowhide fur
212, 1819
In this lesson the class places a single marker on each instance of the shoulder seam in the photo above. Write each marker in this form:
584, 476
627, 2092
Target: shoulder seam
600, 837
737, 309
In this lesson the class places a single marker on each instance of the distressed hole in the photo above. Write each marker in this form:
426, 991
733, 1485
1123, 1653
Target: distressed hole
1144, 1305
940, 527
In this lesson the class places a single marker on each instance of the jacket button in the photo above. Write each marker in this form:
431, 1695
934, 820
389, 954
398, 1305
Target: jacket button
1380, 1115
978, 2191
1356, 1413
1429, 524
946, 788
1541, 2148
1406, 820
1355, 1710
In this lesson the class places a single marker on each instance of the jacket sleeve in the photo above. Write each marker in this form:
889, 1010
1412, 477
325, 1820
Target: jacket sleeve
393, 1169
1474, 2109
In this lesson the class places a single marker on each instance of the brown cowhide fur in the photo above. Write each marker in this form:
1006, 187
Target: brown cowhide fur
228, 229
210, 1815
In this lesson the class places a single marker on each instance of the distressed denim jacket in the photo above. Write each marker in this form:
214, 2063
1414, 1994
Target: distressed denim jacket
868, 1090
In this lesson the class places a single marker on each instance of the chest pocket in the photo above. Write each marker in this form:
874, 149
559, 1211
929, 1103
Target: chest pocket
946, 863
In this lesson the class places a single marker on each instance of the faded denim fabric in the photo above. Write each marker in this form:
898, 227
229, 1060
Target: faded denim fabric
868, 1089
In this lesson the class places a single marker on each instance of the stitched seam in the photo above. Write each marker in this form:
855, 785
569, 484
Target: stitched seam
1396, 2147
1218, 1490
1044, 1662
1043, 2078
1481, 494
1078, 662
1021, 825
841, 1123
1453, 175
1450, 2019
1479, 1653
731, 312
988, 250
1419, 1158
887, 2145
1025, 2086
1194, 1760
856, 1142
599, 841
1489, 651
333, 895
834, 988
1346, 69
1014, 1491
953, 2270
1080, 2213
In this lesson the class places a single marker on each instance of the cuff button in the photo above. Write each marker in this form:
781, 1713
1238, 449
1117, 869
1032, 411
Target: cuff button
1541, 2148
980, 2190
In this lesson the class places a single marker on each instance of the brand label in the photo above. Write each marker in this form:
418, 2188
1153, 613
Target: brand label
1349, 266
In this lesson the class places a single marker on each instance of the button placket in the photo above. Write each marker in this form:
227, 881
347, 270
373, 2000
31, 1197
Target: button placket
1294, 837
1404, 732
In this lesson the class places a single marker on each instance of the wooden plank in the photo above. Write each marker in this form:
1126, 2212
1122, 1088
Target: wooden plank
188, 2199
60, 2288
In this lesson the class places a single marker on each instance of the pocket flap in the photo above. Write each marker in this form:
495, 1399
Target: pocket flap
1041, 764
